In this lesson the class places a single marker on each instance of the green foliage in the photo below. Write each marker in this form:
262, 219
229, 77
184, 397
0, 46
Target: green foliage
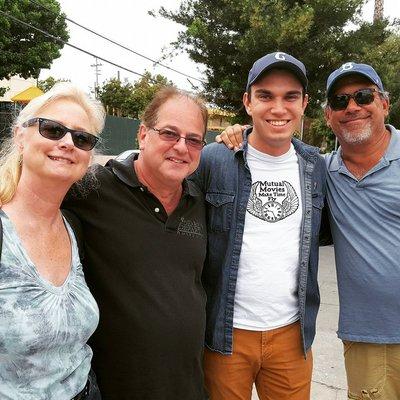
389, 69
49, 82
3, 91
318, 134
115, 96
227, 36
126, 100
23, 50
144, 90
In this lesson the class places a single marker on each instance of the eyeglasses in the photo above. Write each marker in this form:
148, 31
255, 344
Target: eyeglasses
171, 136
54, 131
362, 97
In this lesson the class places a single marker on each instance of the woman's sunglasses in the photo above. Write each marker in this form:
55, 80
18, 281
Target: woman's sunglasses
54, 131
362, 97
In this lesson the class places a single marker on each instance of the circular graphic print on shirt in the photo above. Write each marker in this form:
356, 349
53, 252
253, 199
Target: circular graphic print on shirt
272, 201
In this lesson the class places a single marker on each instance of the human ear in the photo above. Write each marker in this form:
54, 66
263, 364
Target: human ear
142, 135
19, 138
247, 103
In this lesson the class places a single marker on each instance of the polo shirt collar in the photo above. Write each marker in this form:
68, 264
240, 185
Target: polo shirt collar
125, 171
393, 150
336, 161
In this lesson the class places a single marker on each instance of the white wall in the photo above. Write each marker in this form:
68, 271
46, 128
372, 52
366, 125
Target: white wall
16, 85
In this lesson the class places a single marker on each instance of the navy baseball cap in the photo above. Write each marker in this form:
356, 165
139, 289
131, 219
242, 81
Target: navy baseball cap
352, 68
277, 60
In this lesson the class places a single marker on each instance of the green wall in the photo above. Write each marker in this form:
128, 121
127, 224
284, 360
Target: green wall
119, 134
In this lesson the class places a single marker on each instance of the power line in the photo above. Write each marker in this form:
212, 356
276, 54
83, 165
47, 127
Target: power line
73, 46
119, 44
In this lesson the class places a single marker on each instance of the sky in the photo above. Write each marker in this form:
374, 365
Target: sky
127, 22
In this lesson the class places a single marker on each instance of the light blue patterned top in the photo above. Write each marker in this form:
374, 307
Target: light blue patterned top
43, 328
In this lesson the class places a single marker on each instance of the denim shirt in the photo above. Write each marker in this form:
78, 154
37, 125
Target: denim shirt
225, 179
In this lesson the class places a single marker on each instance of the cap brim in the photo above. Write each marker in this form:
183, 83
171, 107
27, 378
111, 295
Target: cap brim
347, 73
283, 65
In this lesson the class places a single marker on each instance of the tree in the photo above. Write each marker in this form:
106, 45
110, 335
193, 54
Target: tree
126, 100
49, 82
3, 91
23, 50
144, 90
227, 36
115, 96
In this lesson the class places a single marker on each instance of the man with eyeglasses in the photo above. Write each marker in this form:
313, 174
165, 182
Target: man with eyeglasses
363, 196
263, 214
145, 237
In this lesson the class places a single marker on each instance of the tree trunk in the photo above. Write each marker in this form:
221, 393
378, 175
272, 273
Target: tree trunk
378, 10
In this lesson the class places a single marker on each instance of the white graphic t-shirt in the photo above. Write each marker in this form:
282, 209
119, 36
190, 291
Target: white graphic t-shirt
266, 289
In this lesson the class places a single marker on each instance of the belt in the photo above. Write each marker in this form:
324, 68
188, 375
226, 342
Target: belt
84, 393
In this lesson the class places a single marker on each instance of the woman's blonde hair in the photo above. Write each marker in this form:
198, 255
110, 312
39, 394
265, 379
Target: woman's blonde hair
10, 156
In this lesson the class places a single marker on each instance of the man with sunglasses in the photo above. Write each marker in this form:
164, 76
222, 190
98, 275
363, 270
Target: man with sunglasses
363, 196
145, 240
263, 213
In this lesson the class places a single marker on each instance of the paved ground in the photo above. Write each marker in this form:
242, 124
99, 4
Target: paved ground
328, 382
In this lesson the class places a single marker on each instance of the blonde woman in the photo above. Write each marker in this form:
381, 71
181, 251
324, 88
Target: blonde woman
47, 313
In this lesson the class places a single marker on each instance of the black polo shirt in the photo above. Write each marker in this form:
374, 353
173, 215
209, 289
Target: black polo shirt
144, 269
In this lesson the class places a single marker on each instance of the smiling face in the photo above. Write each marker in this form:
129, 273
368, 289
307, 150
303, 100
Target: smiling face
55, 159
276, 106
357, 124
165, 162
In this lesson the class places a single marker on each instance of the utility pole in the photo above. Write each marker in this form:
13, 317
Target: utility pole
378, 10
97, 72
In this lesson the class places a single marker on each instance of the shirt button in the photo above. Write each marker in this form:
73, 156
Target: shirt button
157, 210
141, 189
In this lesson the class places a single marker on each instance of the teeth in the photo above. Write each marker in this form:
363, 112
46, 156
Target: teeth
278, 123
176, 160
60, 159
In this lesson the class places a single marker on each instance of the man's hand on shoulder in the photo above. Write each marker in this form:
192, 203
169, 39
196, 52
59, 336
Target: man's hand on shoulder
232, 136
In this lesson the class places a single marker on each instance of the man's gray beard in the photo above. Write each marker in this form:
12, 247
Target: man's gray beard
352, 137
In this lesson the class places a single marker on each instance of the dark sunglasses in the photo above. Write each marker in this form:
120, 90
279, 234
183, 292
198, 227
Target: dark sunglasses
362, 97
171, 136
54, 131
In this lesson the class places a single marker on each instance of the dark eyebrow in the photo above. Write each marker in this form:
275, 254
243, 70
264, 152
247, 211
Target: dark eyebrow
265, 91
294, 92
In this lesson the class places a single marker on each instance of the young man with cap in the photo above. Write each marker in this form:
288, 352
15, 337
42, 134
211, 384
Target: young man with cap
264, 206
363, 196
